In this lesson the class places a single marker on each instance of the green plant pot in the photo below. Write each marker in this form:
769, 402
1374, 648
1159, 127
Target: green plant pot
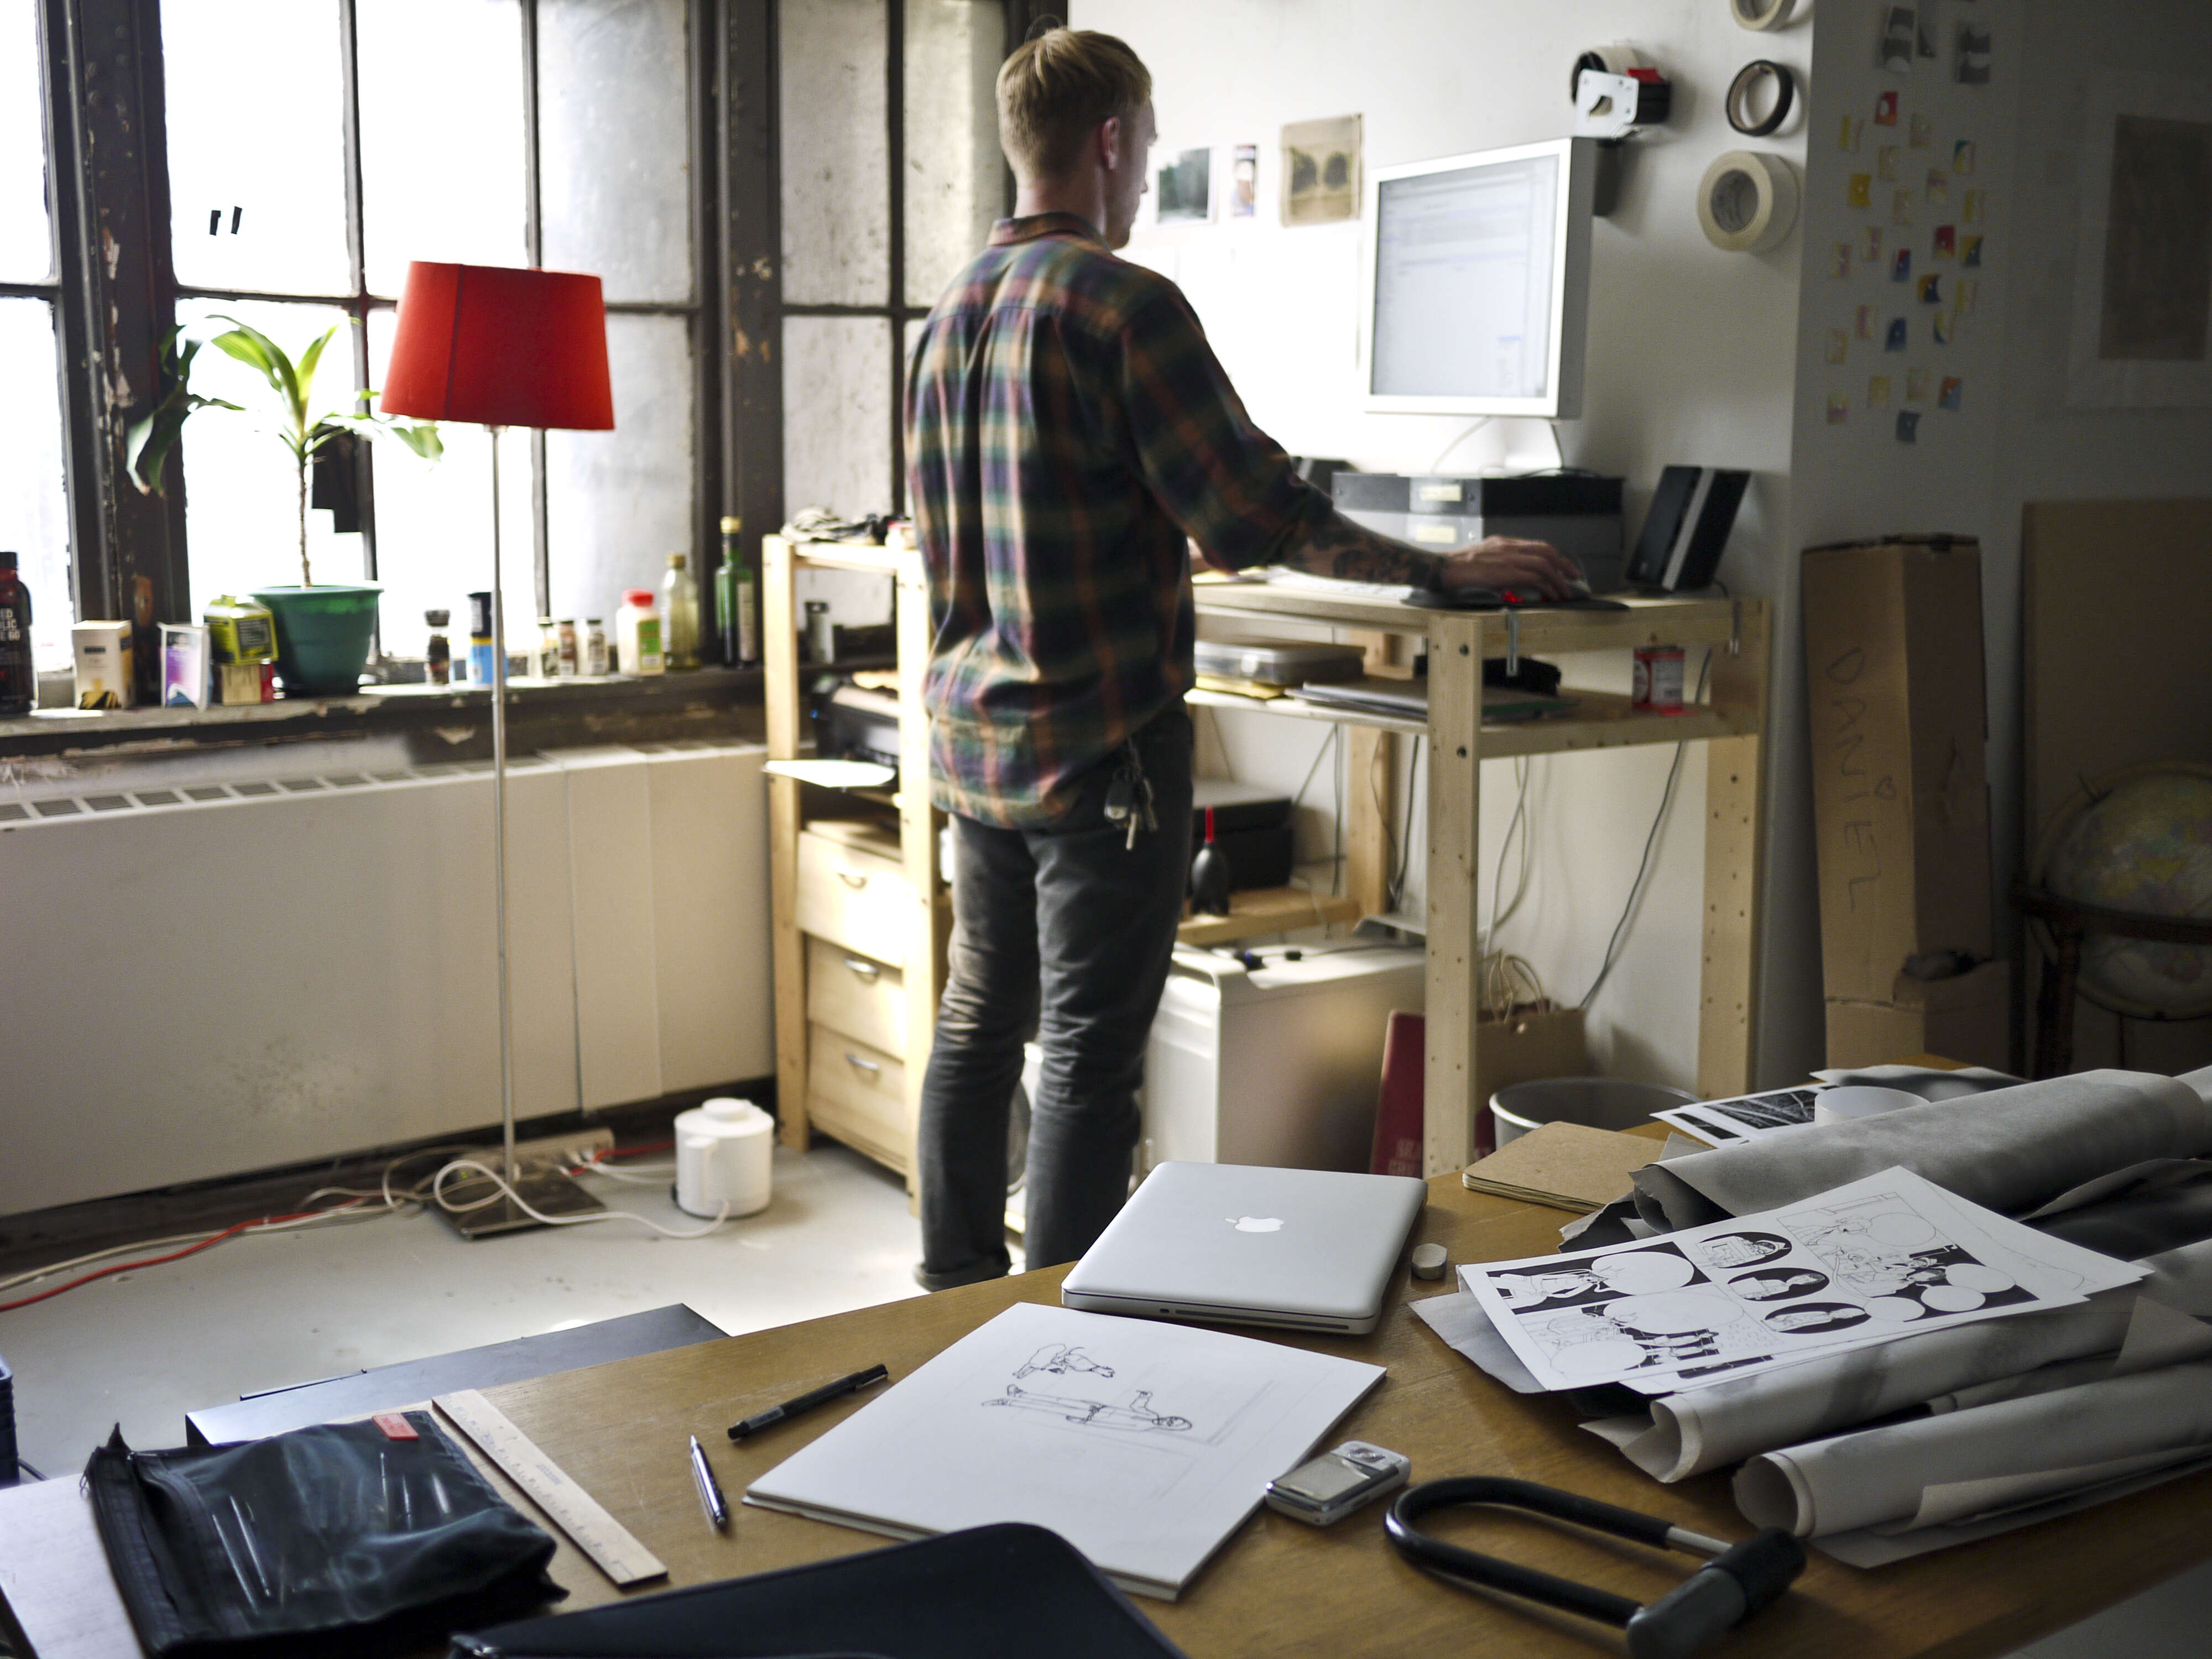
323, 636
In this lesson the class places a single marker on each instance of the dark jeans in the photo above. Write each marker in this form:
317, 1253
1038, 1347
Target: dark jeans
1069, 929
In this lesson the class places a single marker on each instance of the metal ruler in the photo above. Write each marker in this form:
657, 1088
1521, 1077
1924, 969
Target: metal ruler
572, 1508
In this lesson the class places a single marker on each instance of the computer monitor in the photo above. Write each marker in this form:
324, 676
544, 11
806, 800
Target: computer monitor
1478, 282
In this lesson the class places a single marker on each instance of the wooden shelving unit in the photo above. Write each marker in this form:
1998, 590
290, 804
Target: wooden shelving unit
1732, 720
863, 916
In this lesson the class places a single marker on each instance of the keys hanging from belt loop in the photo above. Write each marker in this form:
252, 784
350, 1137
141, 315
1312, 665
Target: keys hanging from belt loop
1129, 796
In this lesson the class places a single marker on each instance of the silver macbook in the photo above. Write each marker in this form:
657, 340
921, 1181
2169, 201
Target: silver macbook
1238, 1244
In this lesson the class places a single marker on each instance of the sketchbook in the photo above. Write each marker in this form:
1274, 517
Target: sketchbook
1144, 1444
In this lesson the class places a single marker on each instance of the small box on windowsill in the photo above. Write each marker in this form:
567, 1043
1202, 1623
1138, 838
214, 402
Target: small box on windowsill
245, 682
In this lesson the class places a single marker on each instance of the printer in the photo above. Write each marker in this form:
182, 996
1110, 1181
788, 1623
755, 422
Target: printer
1577, 513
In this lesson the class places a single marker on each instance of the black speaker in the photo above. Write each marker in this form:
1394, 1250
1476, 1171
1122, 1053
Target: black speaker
1686, 531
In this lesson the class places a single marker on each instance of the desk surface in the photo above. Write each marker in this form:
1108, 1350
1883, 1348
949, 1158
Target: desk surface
1280, 1588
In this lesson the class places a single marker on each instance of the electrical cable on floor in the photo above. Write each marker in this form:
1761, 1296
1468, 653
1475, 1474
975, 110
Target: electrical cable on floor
1650, 843
502, 1190
362, 1205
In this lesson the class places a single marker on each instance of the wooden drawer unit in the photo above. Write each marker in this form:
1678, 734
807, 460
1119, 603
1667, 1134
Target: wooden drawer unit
857, 1093
855, 994
853, 898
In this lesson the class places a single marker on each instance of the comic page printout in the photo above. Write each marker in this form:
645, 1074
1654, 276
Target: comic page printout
1857, 1265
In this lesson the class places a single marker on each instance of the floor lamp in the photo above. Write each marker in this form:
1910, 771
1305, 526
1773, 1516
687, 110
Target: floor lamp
499, 347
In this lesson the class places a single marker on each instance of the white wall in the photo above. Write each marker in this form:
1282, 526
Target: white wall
1692, 358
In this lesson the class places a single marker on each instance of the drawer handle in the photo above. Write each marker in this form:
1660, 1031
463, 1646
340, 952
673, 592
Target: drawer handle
870, 1067
864, 968
854, 882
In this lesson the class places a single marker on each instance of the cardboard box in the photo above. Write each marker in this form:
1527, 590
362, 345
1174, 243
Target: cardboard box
1967, 1019
105, 664
1522, 1046
244, 682
1901, 795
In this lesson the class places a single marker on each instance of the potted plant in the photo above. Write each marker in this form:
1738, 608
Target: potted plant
324, 629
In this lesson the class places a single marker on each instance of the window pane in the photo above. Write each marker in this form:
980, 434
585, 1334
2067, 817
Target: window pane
442, 160
838, 414
34, 516
257, 144
433, 527
618, 503
614, 144
955, 176
241, 492
26, 242
836, 176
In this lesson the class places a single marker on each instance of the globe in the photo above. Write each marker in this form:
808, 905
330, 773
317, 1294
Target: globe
2140, 841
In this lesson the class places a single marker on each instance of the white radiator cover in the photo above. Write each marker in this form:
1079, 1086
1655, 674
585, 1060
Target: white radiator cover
197, 981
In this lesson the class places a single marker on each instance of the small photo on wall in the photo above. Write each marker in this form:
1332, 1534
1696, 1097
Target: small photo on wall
1320, 170
1184, 188
1952, 394
1245, 181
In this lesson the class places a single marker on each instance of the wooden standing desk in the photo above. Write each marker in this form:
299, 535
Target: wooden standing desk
1732, 722
1279, 1587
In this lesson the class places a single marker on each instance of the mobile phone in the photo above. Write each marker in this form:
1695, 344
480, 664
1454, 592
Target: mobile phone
1323, 1490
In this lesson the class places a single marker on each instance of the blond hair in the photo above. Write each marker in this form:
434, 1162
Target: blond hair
1054, 92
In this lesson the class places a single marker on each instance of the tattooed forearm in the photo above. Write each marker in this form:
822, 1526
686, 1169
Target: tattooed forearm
1348, 552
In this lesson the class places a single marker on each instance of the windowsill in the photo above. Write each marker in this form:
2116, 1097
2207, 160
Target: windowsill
373, 708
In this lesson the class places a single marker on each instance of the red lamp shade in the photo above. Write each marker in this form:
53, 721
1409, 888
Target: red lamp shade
500, 346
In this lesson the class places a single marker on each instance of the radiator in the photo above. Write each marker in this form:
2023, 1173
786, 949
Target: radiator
230, 975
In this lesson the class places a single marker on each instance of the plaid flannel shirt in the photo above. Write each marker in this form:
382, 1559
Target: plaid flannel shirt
1067, 427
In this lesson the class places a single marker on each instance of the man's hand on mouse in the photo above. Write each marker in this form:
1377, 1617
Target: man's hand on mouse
1502, 562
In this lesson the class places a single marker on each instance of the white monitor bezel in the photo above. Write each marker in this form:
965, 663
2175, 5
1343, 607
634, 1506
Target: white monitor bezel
1569, 321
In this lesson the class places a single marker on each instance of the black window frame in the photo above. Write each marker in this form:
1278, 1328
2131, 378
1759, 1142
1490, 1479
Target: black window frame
115, 291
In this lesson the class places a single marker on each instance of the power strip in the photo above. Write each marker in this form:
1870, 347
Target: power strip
577, 1146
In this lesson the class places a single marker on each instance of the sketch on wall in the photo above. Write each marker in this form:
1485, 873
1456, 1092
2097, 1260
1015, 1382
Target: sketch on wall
1320, 170
2142, 333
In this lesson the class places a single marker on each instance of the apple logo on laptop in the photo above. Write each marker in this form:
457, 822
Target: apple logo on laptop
1255, 1224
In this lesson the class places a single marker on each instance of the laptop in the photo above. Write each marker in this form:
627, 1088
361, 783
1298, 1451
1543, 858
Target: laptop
1244, 1244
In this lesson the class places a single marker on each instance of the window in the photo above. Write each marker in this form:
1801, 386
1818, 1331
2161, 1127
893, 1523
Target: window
487, 131
33, 505
890, 181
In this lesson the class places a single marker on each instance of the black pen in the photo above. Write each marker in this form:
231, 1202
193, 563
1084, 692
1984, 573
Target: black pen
710, 1494
807, 1402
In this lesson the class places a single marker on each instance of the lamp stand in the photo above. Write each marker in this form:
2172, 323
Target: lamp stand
547, 1190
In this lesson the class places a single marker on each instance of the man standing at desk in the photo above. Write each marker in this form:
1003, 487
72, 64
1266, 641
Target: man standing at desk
1068, 429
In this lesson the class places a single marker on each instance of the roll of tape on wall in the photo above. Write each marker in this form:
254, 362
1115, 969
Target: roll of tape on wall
1745, 89
1747, 202
1762, 14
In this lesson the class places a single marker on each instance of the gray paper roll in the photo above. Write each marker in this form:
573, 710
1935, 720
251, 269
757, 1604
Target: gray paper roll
2010, 1150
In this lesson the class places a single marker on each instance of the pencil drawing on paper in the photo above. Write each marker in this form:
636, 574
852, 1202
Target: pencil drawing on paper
1135, 1414
1060, 1359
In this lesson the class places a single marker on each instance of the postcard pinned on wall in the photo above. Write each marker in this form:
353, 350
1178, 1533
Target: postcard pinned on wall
1901, 206
1848, 134
1974, 204
1885, 163
1870, 243
1320, 170
1923, 128
1962, 157
1931, 288
1942, 328
1182, 188
1916, 386
1885, 110
1839, 260
1908, 426
1900, 268
1952, 393
1964, 292
1839, 345
1896, 339
1878, 392
1858, 192
1970, 251
1947, 241
1245, 181
1864, 328
1840, 409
